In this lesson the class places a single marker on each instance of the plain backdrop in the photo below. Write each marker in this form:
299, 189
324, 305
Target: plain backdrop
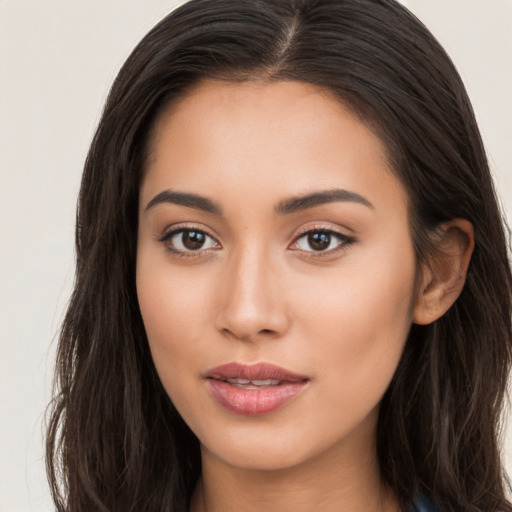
57, 61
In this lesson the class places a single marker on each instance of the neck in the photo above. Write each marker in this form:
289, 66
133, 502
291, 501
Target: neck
343, 478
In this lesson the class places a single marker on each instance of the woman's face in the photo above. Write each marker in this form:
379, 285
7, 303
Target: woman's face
274, 251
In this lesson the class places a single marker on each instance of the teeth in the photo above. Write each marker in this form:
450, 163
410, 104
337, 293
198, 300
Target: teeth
267, 382
238, 381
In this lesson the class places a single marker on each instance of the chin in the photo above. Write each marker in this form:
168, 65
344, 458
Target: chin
268, 451
258, 459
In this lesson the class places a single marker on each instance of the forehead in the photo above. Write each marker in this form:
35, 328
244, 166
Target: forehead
213, 104
267, 138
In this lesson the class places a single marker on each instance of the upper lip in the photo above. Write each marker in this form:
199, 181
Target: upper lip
257, 371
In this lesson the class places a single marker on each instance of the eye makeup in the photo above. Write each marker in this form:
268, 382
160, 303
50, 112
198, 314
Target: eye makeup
186, 241
322, 241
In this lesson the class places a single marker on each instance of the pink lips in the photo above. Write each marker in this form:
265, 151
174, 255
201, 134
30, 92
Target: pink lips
254, 389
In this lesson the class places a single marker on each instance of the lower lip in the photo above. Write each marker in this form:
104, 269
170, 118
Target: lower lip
253, 402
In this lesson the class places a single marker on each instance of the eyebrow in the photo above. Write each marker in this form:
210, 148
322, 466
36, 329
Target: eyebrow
299, 203
288, 206
185, 199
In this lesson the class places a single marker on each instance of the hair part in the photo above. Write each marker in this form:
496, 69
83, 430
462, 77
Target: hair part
115, 441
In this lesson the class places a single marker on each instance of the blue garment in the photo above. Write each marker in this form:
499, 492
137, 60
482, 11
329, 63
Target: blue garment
421, 504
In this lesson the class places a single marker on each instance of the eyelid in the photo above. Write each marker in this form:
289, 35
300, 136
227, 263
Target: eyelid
345, 240
173, 230
327, 227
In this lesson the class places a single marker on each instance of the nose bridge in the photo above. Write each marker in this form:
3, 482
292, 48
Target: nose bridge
252, 303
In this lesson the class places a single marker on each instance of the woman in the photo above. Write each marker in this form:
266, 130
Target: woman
293, 290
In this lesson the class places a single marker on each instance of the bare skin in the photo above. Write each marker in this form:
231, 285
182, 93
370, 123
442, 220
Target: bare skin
325, 290
321, 484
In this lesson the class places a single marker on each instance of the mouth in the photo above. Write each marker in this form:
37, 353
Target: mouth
252, 384
254, 389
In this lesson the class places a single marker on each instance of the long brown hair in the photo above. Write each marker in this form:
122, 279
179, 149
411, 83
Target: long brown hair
115, 441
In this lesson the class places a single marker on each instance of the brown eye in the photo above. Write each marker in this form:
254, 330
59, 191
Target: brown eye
193, 240
322, 241
319, 241
188, 240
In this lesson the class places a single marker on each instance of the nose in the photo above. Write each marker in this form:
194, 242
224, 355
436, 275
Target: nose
253, 305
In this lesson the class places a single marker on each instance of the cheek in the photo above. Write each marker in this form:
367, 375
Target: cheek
349, 323
174, 309
360, 320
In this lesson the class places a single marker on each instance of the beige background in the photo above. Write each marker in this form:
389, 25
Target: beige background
57, 60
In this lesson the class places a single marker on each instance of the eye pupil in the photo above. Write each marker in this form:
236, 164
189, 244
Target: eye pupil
319, 241
193, 239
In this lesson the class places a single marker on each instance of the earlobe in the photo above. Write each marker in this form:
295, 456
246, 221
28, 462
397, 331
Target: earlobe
444, 278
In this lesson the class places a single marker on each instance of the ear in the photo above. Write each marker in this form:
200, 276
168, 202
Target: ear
443, 279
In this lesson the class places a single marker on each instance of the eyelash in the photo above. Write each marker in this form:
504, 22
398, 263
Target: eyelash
167, 237
345, 242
